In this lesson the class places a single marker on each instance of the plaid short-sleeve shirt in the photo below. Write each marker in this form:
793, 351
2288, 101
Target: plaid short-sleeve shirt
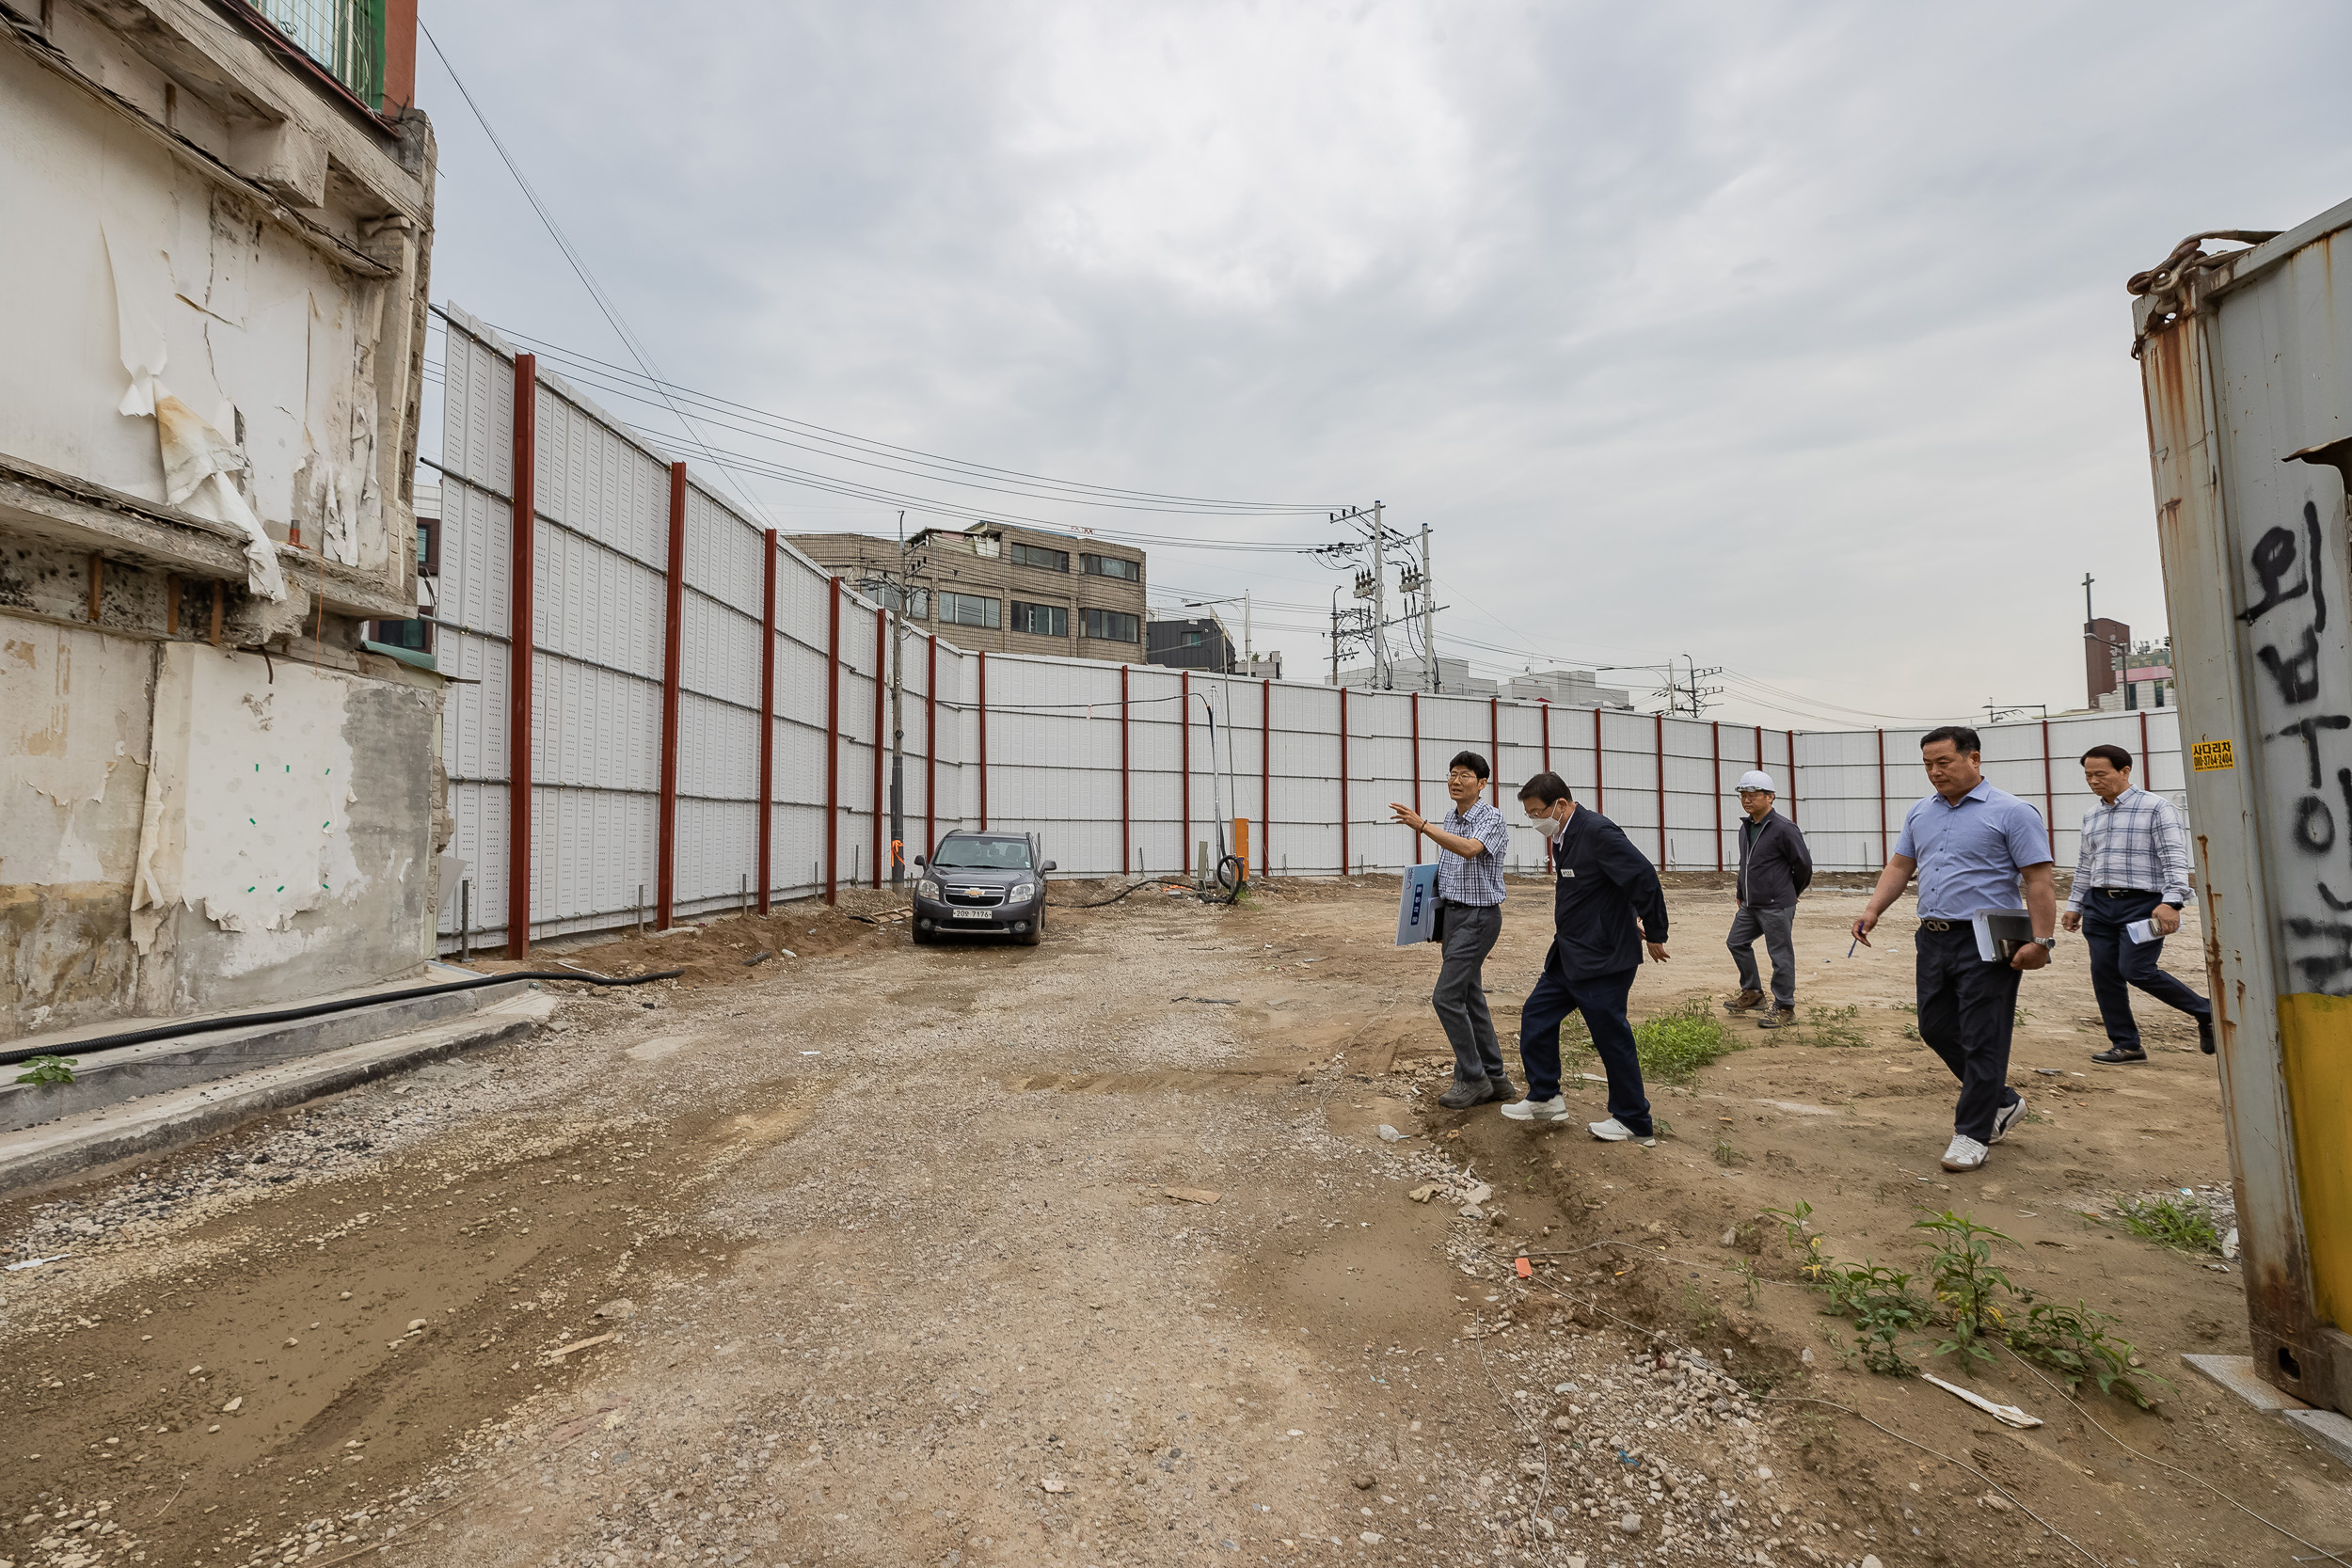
1473, 879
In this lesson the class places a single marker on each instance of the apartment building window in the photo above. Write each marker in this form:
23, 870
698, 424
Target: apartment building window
969, 610
1112, 567
1038, 556
1041, 619
918, 601
1111, 626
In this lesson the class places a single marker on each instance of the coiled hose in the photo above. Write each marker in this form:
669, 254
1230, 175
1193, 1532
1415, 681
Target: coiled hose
316, 1009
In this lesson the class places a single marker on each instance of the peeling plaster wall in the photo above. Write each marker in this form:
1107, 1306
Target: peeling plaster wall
74, 711
186, 828
144, 267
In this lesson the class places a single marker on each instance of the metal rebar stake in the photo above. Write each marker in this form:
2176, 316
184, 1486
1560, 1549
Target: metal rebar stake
641, 908
464, 921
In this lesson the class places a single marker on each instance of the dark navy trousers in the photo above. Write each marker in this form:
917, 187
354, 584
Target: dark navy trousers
2118, 963
1967, 1012
1601, 999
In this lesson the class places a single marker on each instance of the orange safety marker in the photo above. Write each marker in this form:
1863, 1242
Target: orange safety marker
1527, 1269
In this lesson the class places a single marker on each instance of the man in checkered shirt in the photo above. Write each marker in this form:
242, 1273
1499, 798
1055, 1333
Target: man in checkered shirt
2133, 865
1471, 842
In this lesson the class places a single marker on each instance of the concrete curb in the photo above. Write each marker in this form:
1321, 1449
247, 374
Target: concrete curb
75, 1145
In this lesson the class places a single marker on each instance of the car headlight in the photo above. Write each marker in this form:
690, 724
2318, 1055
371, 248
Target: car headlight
927, 889
1023, 893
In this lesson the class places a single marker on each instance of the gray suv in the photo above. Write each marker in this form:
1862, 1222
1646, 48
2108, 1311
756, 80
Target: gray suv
991, 883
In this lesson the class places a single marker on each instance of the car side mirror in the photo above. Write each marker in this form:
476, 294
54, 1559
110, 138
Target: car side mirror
918, 860
1047, 866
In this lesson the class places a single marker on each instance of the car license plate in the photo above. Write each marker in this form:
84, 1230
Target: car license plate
974, 914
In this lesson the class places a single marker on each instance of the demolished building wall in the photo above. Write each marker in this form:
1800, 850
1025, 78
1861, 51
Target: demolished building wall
207, 430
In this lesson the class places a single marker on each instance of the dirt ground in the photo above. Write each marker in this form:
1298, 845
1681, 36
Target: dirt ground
1094, 1253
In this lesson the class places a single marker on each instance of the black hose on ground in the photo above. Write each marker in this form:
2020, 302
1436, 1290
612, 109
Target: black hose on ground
1231, 875
77, 1048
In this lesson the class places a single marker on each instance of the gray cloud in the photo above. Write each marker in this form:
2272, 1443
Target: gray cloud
1790, 336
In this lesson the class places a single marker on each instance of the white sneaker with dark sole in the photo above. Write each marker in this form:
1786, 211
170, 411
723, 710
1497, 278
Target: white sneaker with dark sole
1554, 1109
1965, 1154
2008, 1116
1609, 1132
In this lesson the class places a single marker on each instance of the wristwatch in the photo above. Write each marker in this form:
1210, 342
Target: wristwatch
2046, 943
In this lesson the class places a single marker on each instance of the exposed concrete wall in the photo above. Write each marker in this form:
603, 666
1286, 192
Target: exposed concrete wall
75, 707
184, 828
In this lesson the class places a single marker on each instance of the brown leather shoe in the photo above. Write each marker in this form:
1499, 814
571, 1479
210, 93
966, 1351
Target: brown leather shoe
1779, 1018
1746, 1001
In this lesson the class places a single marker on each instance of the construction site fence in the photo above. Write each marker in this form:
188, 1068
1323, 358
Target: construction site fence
660, 709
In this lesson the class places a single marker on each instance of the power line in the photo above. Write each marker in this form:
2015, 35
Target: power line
611, 311
952, 466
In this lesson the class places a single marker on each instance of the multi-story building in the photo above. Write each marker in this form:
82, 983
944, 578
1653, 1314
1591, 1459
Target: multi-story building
1202, 644
1002, 587
219, 215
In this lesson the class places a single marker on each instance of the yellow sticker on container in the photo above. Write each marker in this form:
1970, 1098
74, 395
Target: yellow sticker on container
2210, 756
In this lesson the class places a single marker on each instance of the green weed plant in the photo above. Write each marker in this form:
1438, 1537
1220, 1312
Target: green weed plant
1963, 1302
2184, 1227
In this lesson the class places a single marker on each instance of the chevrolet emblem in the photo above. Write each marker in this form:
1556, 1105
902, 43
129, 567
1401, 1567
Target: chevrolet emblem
976, 893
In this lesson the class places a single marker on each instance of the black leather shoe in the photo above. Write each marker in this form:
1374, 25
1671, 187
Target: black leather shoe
2204, 1034
2116, 1055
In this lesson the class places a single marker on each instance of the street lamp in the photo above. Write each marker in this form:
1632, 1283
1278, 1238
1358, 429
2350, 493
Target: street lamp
1249, 655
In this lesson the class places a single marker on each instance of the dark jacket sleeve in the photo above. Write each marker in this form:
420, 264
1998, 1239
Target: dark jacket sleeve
1630, 872
1799, 860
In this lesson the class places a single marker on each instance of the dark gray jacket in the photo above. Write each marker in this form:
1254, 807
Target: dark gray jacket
1774, 864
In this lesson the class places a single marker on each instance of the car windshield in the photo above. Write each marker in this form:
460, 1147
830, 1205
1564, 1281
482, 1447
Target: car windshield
961, 853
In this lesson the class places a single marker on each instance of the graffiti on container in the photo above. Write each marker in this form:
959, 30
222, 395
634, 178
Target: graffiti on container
2309, 688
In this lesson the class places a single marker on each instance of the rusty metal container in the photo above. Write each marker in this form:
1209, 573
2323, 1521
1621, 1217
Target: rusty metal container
2246, 360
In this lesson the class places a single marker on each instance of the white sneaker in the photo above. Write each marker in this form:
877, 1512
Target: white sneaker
1531, 1109
2008, 1116
1609, 1132
1964, 1154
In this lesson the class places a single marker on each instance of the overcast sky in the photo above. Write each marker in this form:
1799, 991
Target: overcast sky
1789, 337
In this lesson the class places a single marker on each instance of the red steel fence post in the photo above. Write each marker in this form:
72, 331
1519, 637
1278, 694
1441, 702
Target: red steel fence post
522, 636
833, 739
983, 740
1265, 779
930, 752
673, 658
1126, 813
881, 690
1715, 801
1344, 781
768, 722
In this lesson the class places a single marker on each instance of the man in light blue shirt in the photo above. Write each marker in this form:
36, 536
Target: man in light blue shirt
1973, 846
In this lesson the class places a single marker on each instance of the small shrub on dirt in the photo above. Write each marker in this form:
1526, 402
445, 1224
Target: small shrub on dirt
1674, 1046
1963, 1302
1727, 1155
1834, 1027
2184, 1227
48, 1069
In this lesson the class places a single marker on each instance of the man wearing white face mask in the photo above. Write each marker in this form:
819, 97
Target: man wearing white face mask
1606, 904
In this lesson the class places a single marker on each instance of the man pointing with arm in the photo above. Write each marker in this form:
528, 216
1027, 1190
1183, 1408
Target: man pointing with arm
1972, 845
1471, 846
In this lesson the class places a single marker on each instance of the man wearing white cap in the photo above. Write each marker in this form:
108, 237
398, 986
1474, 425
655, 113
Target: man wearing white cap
1775, 867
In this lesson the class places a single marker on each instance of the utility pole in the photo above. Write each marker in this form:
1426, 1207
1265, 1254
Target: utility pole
1335, 636
898, 718
1428, 614
1381, 678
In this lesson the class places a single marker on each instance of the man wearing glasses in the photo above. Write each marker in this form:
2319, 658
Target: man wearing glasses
1470, 843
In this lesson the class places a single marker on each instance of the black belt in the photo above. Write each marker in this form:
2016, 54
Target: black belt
2126, 892
1943, 924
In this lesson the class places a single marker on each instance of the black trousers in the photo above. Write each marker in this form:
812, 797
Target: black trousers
1601, 998
1968, 1011
2118, 963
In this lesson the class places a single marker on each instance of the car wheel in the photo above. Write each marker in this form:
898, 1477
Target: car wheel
922, 938
1035, 933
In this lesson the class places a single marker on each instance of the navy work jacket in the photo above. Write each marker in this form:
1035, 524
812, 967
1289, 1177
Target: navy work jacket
1600, 883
